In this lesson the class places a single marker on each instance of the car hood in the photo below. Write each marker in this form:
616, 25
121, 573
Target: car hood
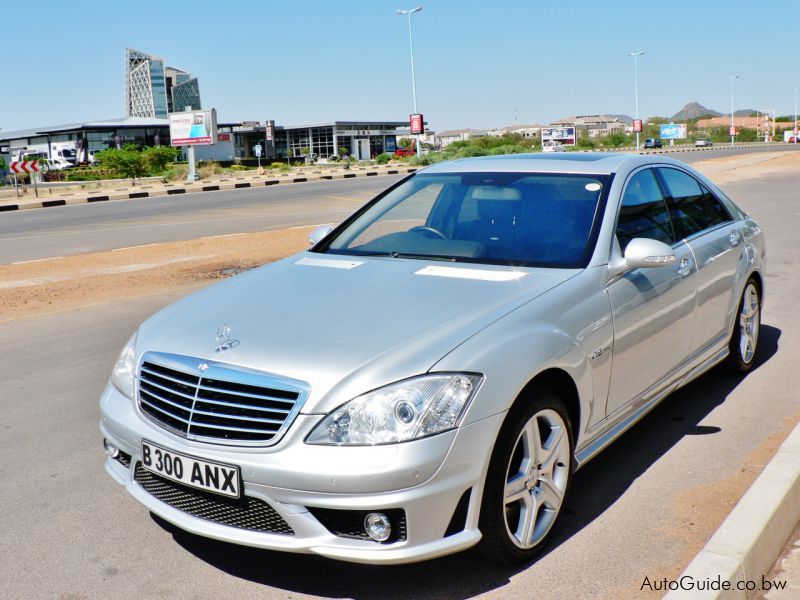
344, 325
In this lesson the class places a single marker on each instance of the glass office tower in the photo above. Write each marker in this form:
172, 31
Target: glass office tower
154, 90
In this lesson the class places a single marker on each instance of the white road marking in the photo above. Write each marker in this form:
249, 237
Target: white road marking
25, 262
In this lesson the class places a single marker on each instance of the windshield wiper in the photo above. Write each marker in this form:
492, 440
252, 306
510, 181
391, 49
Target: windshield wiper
424, 256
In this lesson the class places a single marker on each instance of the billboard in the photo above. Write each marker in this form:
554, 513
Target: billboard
637, 125
417, 124
673, 131
193, 127
563, 135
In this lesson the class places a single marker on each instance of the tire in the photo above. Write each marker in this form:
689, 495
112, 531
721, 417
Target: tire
527, 481
743, 345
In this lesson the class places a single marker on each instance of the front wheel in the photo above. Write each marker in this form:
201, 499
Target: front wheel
527, 482
744, 340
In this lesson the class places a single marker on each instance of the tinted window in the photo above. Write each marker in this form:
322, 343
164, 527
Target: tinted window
695, 208
644, 211
498, 218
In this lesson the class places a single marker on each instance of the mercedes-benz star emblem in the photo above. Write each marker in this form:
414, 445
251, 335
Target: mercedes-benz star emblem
224, 339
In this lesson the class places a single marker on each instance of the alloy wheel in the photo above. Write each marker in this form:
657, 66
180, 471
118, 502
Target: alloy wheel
749, 323
536, 478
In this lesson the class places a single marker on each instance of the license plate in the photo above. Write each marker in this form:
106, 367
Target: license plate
194, 472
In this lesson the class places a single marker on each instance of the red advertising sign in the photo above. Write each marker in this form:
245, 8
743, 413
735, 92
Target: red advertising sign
223, 137
732, 131
417, 125
637, 125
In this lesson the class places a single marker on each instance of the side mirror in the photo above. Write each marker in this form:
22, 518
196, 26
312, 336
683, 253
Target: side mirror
647, 253
319, 233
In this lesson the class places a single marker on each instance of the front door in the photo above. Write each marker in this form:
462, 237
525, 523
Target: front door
363, 149
652, 308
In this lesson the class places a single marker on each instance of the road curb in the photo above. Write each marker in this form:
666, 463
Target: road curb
750, 540
193, 189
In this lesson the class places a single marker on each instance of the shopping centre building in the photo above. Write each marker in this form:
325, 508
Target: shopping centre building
360, 139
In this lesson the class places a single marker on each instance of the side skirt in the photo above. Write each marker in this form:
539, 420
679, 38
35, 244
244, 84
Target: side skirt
616, 428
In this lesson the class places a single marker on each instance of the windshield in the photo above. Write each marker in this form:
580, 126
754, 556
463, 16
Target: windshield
526, 219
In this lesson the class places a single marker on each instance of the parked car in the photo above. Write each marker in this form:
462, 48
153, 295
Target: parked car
703, 142
652, 143
550, 146
405, 152
429, 374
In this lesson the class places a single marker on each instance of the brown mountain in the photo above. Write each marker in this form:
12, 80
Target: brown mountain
694, 110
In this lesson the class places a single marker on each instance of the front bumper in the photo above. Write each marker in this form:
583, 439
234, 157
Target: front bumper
426, 478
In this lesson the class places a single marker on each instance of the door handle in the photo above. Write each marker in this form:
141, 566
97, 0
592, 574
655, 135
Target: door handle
685, 267
733, 238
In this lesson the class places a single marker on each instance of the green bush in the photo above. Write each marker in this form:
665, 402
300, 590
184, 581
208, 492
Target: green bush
237, 167
128, 162
615, 140
384, 158
159, 158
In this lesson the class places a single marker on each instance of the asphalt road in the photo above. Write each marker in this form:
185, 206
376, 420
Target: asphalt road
60, 231
70, 532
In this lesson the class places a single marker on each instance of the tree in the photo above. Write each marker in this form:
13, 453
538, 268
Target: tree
405, 142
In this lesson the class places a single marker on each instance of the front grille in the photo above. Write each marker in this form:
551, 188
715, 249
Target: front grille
350, 523
245, 512
214, 402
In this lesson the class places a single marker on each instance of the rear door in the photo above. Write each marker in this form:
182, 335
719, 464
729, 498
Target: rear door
652, 308
716, 241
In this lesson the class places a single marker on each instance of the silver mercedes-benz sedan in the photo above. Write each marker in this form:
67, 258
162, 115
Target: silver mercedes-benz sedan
430, 373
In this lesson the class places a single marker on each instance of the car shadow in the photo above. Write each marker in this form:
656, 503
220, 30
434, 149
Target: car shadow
466, 574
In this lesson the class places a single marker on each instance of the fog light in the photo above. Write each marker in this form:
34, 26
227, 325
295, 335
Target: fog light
378, 526
111, 450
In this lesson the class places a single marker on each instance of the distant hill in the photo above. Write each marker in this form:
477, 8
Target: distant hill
745, 112
694, 110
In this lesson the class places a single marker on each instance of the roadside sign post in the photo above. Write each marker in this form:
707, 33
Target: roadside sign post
257, 149
193, 128
30, 167
191, 177
672, 132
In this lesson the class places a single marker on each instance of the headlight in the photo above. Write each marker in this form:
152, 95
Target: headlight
406, 410
123, 374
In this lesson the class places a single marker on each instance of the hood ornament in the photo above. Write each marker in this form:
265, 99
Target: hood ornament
224, 339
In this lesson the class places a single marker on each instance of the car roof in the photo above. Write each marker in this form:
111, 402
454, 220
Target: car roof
596, 163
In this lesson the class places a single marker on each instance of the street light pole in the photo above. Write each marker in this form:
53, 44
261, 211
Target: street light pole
636, 55
732, 78
795, 114
413, 75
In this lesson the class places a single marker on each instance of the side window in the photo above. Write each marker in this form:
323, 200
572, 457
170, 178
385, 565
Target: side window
695, 207
644, 211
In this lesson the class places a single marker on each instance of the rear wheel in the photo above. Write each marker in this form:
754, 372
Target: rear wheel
527, 482
744, 340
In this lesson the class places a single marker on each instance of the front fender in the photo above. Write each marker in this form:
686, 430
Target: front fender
568, 328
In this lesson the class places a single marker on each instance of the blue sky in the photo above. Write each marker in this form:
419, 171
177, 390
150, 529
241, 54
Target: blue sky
308, 61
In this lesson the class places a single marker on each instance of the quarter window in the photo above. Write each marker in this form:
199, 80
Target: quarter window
695, 207
644, 211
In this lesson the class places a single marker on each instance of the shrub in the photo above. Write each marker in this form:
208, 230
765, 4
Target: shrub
208, 168
128, 162
177, 173
159, 157
237, 167
384, 158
